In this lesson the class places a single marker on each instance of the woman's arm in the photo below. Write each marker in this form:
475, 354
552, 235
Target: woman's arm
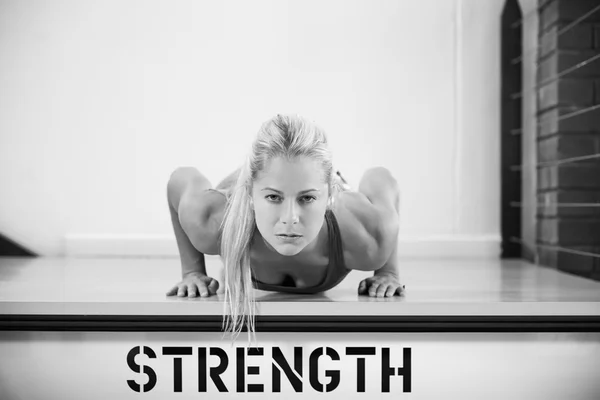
380, 214
179, 189
381, 188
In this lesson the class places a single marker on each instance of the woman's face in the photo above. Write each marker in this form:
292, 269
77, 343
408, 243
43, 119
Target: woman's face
290, 198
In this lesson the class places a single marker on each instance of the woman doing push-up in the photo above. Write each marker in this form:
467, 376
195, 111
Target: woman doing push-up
285, 221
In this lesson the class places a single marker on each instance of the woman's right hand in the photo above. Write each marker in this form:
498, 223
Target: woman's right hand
194, 284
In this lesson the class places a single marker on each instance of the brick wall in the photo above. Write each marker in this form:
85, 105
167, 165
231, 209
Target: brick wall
577, 182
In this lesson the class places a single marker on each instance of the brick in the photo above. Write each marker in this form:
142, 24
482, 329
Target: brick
548, 208
574, 196
544, 3
547, 258
576, 37
575, 264
579, 175
567, 93
596, 272
572, 232
549, 15
547, 178
568, 232
547, 229
549, 124
567, 10
563, 60
567, 146
571, 10
588, 197
569, 176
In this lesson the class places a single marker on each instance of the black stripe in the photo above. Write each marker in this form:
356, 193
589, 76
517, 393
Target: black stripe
354, 323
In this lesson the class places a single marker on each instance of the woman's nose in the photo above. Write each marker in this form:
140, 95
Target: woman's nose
290, 213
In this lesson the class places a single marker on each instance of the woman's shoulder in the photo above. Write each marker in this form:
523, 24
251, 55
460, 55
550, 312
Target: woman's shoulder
360, 226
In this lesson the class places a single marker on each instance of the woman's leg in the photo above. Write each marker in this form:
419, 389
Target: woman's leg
229, 182
381, 188
185, 182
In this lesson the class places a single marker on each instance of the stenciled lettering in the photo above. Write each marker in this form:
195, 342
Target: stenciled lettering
177, 361
251, 370
136, 368
387, 371
314, 370
244, 357
360, 364
279, 361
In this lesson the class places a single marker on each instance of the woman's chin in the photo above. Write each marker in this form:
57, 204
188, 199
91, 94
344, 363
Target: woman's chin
288, 249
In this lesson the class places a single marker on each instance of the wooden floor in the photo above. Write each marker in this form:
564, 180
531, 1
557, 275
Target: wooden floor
135, 286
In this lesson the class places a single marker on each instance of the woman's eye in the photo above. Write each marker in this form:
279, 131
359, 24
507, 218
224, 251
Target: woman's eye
305, 199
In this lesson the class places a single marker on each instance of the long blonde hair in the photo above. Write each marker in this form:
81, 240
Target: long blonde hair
286, 136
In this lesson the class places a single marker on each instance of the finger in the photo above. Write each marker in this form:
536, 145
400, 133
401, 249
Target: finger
381, 290
213, 286
401, 290
373, 289
202, 289
181, 291
390, 291
362, 287
192, 290
172, 291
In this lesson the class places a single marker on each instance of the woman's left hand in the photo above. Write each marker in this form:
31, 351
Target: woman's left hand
381, 286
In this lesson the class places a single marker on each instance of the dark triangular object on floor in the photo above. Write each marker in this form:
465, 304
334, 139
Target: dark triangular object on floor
8, 248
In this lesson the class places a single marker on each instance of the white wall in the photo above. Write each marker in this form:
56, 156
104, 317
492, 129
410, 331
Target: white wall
101, 101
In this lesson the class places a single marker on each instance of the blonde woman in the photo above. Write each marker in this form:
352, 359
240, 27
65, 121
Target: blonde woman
285, 221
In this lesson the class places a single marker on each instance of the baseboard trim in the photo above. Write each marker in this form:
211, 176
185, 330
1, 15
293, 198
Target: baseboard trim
157, 246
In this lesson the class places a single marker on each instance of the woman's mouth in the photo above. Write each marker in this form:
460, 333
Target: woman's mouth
289, 238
